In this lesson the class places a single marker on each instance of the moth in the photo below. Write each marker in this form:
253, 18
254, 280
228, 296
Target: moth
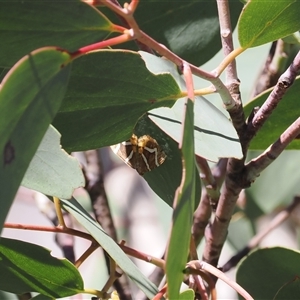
142, 154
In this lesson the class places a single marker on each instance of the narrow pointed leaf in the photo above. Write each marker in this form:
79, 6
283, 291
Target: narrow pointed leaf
179, 243
109, 245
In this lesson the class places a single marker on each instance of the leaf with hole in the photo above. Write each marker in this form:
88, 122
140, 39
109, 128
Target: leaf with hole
105, 99
52, 171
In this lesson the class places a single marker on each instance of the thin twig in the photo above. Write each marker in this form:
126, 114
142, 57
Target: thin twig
216, 272
61, 221
64, 242
86, 254
232, 82
274, 66
284, 83
50, 229
213, 77
207, 177
95, 188
258, 164
254, 242
208, 201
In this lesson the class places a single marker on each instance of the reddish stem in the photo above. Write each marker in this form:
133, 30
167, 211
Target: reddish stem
103, 44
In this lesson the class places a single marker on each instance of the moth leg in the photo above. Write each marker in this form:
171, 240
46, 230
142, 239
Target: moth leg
153, 150
146, 162
129, 157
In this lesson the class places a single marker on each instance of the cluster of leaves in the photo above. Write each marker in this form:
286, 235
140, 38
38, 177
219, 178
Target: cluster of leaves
99, 98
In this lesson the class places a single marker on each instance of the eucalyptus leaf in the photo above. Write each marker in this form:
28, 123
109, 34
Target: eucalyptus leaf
109, 91
26, 25
52, 171
28, 267
110, 246
188, 28
179, 243
30, 96
261, 23
270, 273
215, 135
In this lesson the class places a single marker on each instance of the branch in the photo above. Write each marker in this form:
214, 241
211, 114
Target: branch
232, 82
139, 35
254, 242
216, 233
258, 164
97, 193
65, 242
282, 86
238, 177
203, 266
209, 199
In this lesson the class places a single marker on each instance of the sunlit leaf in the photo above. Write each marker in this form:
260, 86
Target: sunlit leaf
215, 135
52, 171
261, 23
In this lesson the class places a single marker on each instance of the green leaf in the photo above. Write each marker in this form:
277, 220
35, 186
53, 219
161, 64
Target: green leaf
52, 171
165, 180
30, 96
286, 112
187, 295
179, 243
271, 274
188, 28
27, 267
105, 99
215, 136
289, 290
26, 25
261, 23
108, 244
